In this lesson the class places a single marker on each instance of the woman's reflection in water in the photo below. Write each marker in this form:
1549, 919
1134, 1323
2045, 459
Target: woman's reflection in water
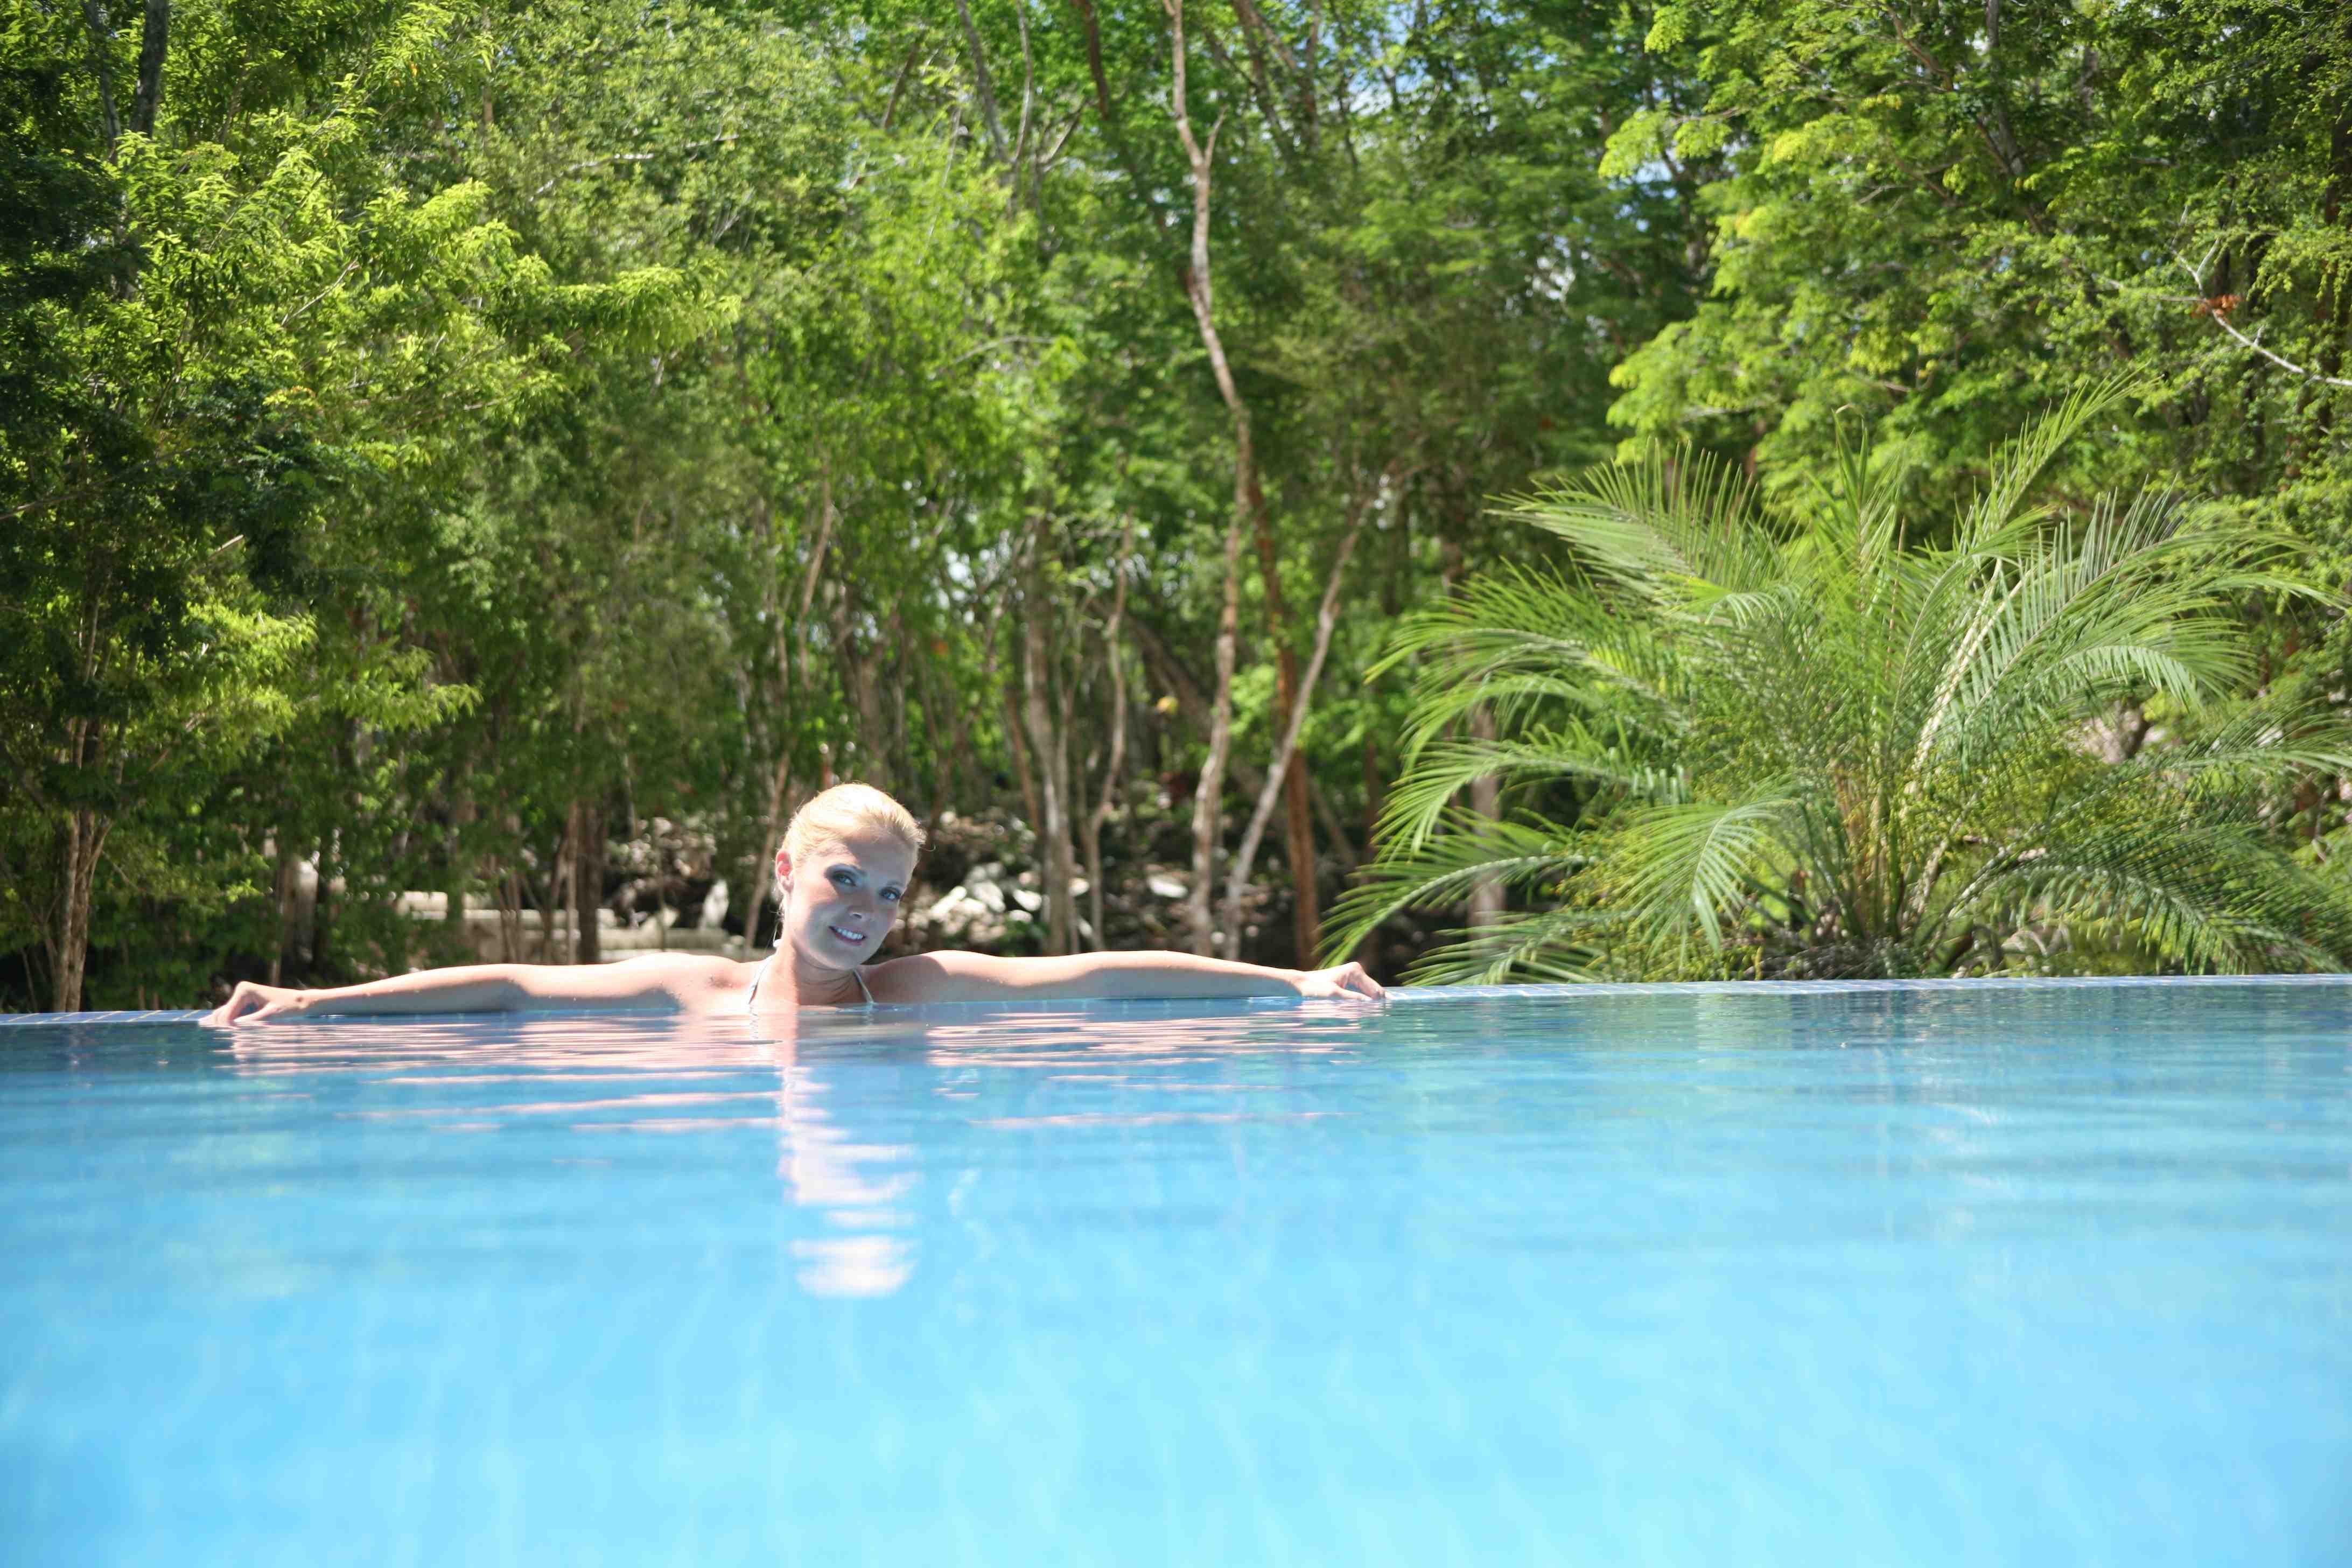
641, 1075
611, 1074
856, 1188
863, 1191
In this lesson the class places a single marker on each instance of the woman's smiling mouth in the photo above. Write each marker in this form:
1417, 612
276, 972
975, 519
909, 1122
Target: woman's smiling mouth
854, 937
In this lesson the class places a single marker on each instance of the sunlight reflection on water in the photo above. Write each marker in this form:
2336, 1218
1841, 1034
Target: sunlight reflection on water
1924, 1276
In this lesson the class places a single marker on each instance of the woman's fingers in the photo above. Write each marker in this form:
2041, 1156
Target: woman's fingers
1348, 980
251, 1004
225, 1013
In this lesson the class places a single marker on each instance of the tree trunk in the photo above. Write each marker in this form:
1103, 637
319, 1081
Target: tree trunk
1161, 662
587, 834
983, 87
872, 763
459, 877
962, 780
1025, 776
1108, 797
1209, 793
559, 882
80, 838
1336, 842
109, 124
152, 40
509, 917
283, 892
1486, 800
1046, 747
1306, 918
1063, 866
762, 869
1485, 900
902, 756
1286, 754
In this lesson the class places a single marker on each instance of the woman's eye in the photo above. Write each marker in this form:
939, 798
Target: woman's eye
893, 894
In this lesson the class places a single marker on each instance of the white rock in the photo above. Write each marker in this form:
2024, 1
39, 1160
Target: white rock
1167, 887
948, 905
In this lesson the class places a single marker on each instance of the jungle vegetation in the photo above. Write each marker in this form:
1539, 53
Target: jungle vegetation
1742, 486
1861, 742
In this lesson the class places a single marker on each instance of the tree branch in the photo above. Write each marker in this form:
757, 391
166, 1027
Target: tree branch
983, 88
1286, 754
2220, 318
587, 163
349, 267
898, 86
100, 57
1093, 62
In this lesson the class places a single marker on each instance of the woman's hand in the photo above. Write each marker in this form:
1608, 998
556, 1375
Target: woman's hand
252, 1003
1347, 981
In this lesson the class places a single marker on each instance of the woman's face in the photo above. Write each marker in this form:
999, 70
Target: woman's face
842, 897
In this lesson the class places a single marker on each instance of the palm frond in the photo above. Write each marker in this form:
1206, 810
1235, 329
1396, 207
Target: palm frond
1417, 802
1854, 528
1631, 721
1472, 851
1514, 612
2263, 747
1685, 864
1561, 946
1921, 710
2211, 896
1522, 643
1671, 523
2023, 463
2085, 615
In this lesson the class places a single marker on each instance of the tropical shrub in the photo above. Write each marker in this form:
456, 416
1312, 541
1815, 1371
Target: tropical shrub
1854, 741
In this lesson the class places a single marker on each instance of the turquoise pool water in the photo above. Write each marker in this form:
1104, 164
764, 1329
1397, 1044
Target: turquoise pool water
1785, 1275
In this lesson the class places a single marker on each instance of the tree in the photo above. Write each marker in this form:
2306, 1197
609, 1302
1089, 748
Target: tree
239, 331
1856, 741
1945, 214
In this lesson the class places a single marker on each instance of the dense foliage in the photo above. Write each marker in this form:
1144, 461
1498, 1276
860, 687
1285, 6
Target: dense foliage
1813, 748
438, 441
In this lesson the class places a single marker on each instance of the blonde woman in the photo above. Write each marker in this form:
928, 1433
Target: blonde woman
841, 873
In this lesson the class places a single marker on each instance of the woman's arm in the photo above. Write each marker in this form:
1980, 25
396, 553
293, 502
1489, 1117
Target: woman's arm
978, 977
677, 980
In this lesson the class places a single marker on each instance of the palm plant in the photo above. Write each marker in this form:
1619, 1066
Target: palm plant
1749, 744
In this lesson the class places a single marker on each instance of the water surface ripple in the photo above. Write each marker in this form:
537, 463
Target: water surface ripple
1919, 1275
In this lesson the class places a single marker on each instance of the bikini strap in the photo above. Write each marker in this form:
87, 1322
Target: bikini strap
859, 975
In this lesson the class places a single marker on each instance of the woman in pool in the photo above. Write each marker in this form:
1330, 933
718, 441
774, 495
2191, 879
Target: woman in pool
841, 873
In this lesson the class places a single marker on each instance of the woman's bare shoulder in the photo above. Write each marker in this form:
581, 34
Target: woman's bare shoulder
699, 982
944, 976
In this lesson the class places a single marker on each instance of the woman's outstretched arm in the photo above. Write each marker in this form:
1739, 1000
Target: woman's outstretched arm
670, 981
979, 977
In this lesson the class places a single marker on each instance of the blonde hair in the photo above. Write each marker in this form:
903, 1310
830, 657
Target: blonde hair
832, 815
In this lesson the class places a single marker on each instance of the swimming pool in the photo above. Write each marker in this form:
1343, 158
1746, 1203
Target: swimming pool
2048, 1272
